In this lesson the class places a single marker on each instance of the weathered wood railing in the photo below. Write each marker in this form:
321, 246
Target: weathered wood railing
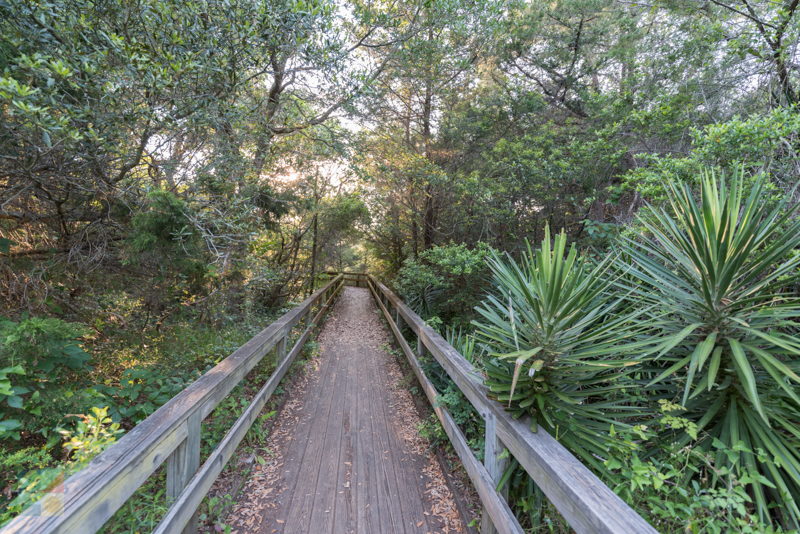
587, 504
87, 499
349, 278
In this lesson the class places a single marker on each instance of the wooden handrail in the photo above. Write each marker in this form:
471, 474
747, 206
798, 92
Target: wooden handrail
87, 499
171, 435
588, 505
485, 483
359, 278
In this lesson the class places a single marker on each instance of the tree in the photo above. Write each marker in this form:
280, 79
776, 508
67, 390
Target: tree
429, 72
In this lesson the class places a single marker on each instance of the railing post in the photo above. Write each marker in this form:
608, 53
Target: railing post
306, 320
420, 346
280, 350
495, 465
183, 463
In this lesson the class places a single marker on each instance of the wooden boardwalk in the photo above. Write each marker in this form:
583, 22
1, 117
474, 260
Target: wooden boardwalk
351, 461
344, 454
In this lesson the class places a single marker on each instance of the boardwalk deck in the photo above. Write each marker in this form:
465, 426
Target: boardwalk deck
349, 464
350, 459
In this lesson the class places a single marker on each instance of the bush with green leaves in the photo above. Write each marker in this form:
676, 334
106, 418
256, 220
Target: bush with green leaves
557, 339
760, 143
162, 235
142, 390
698, 310
90, 435
35, 354
14, 463
715, 274
445, 281
662, 478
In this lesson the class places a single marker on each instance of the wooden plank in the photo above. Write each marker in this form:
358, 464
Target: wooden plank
323, 503
495, 466
389, 499
90, 497
496, 506
403, 499
294, 468
410, 495
304, 484
344, 510
182, 464
494, 449
368, 518
280, 350
184, 508
586, 503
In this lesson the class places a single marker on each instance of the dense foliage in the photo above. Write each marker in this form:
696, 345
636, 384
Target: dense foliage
716, 272
444, 282
596, 201
695, 320
560, 342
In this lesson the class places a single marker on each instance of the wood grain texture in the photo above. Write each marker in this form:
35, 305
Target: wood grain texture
87, 499
495, 505
346, 468
280, 347
587, 504
495, 466
182, 465
183, 509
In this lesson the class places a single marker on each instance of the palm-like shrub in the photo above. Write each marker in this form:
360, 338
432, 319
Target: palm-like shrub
714, 274
555, 337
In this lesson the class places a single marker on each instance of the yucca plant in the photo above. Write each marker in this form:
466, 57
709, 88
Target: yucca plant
557, 345
714, 273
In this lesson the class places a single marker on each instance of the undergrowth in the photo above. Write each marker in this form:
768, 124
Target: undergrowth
117, 377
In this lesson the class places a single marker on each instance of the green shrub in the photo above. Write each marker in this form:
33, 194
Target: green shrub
162, 235
91, 434
715, 275
36, 355
762, 143
163, 223
662, 478
16, 463
445, 281
559, 345
698, 311
142, 390
42, 345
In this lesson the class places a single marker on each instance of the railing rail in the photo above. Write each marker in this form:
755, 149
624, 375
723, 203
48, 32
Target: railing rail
356, 279
171, 435
587, 504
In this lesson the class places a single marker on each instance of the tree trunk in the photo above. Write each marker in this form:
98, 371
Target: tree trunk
314, 229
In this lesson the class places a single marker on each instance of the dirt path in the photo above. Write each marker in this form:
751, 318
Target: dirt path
347, 457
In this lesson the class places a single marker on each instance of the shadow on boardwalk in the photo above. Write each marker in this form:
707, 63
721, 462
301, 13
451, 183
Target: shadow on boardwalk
347, 457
